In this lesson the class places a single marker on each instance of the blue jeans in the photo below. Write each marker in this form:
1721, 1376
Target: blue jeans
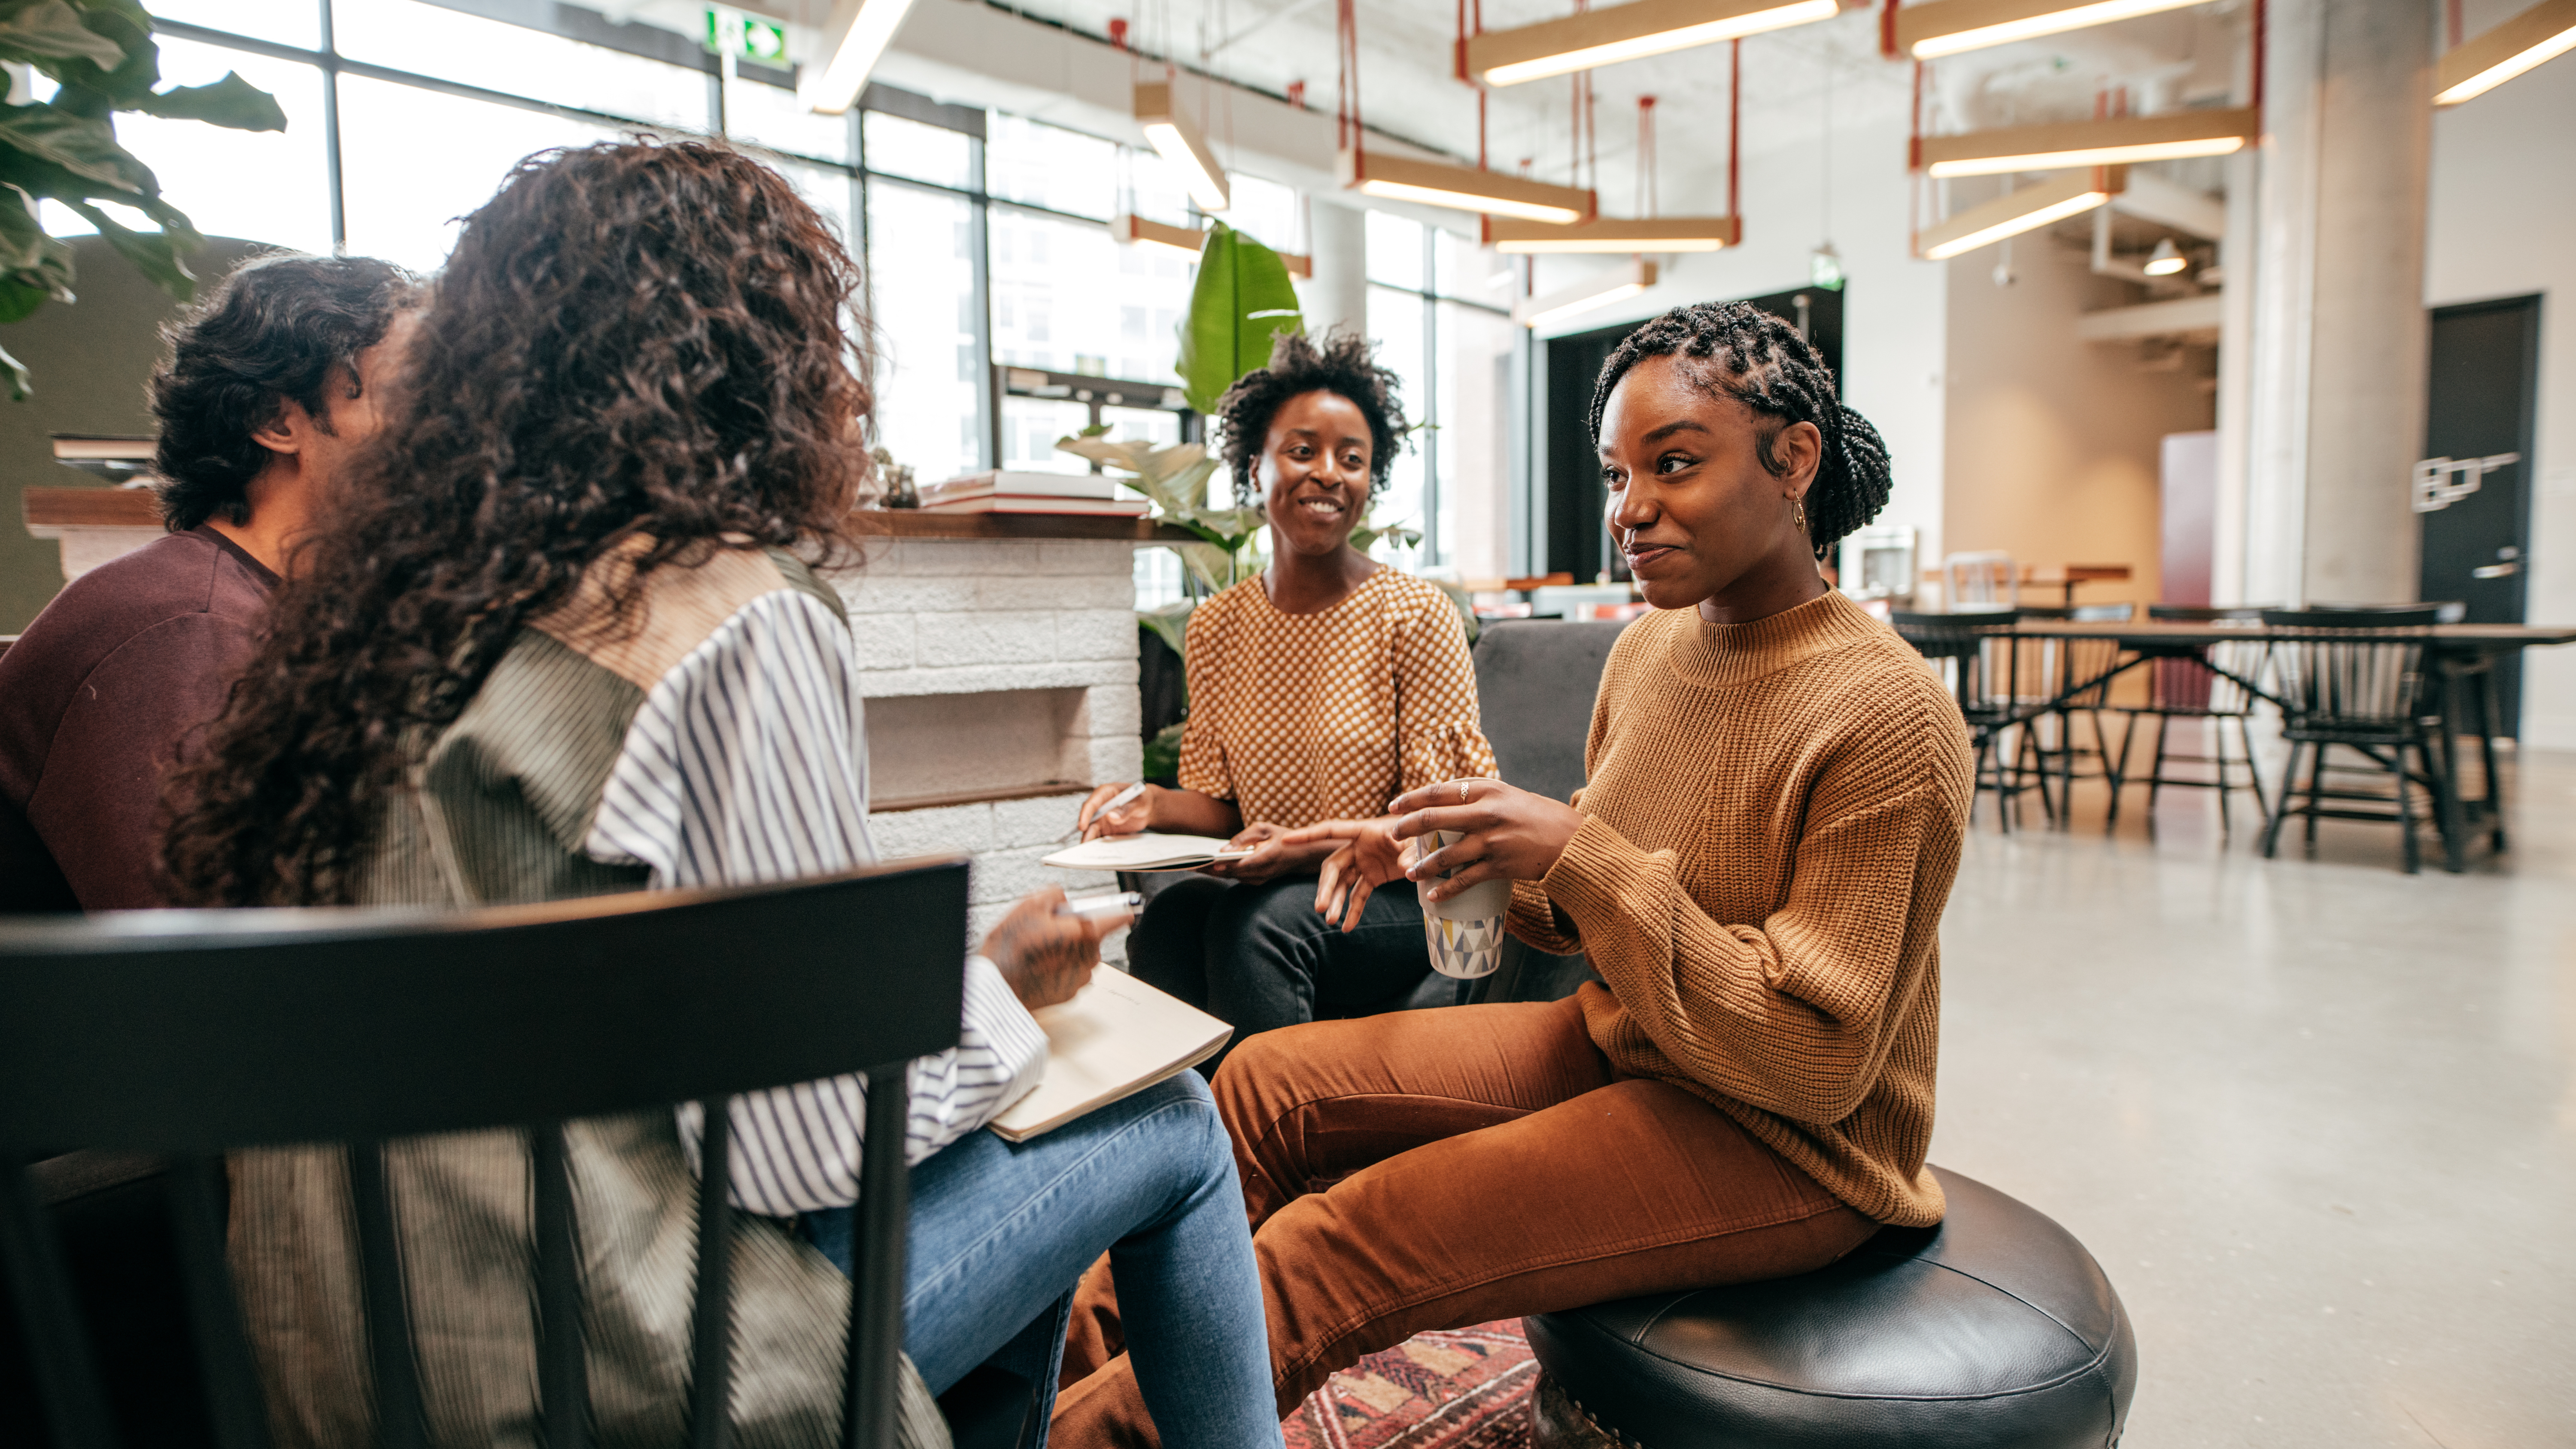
1001, 1232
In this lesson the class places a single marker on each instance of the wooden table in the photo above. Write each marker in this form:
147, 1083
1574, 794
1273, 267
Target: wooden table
2062, 577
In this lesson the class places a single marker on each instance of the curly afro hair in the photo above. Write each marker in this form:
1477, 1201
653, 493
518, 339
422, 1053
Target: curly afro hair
1338, 362
1735, 350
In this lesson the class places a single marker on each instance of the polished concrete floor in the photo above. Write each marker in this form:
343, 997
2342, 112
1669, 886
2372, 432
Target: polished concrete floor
2316, 1118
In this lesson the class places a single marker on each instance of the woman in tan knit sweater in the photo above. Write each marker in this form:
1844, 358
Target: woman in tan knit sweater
1757, 866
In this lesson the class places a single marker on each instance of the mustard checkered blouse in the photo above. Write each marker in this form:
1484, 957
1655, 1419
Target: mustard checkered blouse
1305, 717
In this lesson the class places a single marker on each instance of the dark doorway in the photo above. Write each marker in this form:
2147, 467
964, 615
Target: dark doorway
1576, 542
2475, 506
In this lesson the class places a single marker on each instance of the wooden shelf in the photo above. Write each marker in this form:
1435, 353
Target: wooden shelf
988, 796
139, 508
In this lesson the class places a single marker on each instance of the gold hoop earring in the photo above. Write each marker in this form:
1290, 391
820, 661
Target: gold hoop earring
1798, 512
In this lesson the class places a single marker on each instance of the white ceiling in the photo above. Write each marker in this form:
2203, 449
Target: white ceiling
1801, 86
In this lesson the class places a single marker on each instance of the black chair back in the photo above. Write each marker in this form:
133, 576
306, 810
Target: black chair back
193, 1032
2352, 670
1535, 683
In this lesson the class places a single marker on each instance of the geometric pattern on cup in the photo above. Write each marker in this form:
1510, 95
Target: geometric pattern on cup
1464, 949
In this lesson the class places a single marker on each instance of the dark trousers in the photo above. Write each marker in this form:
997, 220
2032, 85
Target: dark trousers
1259, 956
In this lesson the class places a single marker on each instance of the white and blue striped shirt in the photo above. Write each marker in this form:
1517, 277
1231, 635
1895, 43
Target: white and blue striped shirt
748, 763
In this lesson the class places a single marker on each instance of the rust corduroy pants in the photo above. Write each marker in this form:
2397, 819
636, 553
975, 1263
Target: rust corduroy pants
1434, 1169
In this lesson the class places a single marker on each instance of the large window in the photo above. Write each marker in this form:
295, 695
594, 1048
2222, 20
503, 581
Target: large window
1447, 337
983, 233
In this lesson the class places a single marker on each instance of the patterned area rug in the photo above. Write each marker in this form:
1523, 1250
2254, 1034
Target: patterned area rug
1468, 1388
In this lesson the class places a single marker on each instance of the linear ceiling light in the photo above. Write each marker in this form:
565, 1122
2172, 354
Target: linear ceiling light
1612, 234
2541, 33
1139, 231
1176, 138
1947, 27
2028, 209
2066, 144
1464, 188
1597, 38
1599, 291
854, 37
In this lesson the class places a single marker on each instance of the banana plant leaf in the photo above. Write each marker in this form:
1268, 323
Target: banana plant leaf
1242, 301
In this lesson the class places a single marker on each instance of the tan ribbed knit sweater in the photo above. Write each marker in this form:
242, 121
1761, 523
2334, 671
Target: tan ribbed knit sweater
1775, 811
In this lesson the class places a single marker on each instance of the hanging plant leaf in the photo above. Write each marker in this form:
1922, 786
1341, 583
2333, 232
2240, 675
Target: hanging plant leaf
232, 103
154, 253
1242, 300
52, 31
21, 386
81, 145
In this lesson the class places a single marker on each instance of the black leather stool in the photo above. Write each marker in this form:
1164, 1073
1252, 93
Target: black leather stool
1994, 1330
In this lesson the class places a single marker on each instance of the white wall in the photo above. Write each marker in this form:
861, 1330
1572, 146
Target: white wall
1895, 308
2504, 224
2054, 442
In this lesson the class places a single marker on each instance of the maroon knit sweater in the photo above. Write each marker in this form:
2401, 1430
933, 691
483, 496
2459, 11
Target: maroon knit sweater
126, 664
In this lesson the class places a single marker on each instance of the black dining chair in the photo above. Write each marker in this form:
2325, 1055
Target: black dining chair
2360, 680
187, 1033
2074, 676
1977, 655
2196, 683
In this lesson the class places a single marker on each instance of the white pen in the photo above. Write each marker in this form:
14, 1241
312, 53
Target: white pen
1114, 802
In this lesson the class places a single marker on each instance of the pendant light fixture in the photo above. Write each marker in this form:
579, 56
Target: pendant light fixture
1648, 232
855, 37
2167, 260
1130, 229
1948, 27
1437, 183
1178, 140
1623, 281
2028, 209
2543, 32
1595, 38
2120, 141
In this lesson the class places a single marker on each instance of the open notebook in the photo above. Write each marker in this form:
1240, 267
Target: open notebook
1150, 850
1115, 1038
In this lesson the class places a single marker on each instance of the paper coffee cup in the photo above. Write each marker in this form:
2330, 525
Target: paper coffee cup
1464, 932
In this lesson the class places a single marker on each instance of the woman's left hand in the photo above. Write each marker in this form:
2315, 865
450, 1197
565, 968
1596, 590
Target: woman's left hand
1273, 855
1510, 833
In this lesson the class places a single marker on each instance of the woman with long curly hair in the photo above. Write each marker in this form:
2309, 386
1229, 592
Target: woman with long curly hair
1319, 689
564, 636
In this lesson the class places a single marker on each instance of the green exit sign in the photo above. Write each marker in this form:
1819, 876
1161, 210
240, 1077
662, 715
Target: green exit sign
744, 37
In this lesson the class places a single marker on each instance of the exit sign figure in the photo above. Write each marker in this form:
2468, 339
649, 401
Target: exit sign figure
730, 32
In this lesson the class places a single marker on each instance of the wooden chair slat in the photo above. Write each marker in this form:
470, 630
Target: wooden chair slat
49, 1317
233, 1401
402, 1419
876, 1280
711, 1327
563, 1380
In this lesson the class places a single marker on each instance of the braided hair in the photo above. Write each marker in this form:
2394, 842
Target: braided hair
1733, 349
1340, 363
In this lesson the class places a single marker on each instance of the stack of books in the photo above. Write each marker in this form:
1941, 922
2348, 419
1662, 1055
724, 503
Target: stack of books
1008, 492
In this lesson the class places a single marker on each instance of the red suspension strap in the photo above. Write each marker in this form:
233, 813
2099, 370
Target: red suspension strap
2262, 39
1734, 115
1346, 82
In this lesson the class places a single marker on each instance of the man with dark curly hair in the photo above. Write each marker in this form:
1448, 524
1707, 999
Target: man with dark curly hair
270, 386
1319, 690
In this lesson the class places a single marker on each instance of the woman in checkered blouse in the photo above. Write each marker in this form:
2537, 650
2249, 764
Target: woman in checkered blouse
1319, 690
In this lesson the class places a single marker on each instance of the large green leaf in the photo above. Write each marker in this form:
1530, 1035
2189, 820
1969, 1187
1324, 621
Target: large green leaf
154, 253
21, 386
90, 89
1243, 300
50, 30
231, 102
83, 146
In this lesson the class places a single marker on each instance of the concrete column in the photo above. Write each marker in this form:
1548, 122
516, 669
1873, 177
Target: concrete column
2336, 415
1337, 295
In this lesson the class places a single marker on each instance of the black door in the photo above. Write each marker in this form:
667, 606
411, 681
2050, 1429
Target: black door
1577, 543
2476, 505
